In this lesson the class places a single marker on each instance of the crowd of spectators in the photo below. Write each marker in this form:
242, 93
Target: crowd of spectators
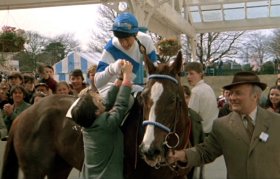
19, 90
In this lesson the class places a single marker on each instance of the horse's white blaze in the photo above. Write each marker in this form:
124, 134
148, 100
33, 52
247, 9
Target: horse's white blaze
149, 137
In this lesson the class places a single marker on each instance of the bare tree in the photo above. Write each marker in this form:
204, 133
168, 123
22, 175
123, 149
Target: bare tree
102, 32
256, 47
67, 40
35, 43
213, 46
274, 43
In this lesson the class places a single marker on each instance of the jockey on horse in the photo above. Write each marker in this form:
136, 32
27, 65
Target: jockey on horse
124, 45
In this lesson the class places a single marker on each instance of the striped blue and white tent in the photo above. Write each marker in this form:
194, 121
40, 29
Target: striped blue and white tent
75, 60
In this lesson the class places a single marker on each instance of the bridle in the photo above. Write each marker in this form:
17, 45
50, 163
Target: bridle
162, 126
171, 132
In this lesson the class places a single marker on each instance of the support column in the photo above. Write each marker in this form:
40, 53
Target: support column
193, 46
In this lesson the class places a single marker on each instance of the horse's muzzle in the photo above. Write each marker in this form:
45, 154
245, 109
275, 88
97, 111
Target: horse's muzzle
149, 153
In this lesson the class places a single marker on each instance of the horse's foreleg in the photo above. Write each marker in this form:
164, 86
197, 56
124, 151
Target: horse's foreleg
61, 170
33, 173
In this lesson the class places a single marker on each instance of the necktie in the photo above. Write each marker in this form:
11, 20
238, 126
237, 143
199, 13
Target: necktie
250, 126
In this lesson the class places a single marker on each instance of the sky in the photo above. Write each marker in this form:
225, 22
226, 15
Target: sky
51, 21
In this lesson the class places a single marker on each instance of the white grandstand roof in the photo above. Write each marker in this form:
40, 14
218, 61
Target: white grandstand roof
198, 15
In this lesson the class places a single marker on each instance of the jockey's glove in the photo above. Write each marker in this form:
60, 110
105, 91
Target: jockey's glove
115, 68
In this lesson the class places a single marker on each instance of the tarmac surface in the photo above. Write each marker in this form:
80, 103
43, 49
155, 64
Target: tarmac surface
215, 170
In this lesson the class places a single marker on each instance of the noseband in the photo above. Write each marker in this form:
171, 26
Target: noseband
169, 132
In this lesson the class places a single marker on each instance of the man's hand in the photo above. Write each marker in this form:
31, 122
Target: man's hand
126, 68
177, 155
8, 109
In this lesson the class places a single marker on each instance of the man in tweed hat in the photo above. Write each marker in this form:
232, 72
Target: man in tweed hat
248, 137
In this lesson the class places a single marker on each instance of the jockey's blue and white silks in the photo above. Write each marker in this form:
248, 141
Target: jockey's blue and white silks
113, 51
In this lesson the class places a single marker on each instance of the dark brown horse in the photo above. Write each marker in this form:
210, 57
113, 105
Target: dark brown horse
43, 142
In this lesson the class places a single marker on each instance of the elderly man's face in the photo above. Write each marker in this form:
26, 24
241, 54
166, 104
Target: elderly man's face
243, 99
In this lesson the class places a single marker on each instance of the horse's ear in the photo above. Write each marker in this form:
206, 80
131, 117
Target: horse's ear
150, 67
177, 64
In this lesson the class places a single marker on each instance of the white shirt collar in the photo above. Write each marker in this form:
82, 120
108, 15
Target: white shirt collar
252, 115
199, 82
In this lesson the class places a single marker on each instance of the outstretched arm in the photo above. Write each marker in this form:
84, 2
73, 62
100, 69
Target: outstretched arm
107, 69
120, 107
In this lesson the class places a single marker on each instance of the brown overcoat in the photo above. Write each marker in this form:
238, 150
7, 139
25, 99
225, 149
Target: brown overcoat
244, 158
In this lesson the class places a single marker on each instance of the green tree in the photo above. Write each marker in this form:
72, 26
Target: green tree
56, 51
11, 39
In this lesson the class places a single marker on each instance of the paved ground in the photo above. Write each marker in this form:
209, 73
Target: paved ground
215, 170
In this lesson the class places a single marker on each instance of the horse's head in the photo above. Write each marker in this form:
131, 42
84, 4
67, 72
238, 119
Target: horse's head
165, 112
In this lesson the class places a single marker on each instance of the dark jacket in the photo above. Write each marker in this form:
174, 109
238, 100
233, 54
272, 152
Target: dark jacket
197, 135
103, 140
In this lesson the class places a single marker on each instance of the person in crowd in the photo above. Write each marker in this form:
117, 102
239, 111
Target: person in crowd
224, 104
77, 83
4, 99
102, 136
15, 78
277, 82
248, 137
273, 99
4, 94
223, 99
90, 75
4, 85
37, 96
50, 71
44, 77
225, 110
43, 87
203, 99
3, 128
29, 85
11, 111
63, 88
124, 45
197, 134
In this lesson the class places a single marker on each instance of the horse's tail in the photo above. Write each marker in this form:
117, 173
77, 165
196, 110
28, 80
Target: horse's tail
10, 161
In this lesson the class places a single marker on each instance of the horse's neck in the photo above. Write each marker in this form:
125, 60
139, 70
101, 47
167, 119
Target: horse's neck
184, 127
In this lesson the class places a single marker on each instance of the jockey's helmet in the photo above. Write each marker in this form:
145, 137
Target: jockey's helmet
125, 25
